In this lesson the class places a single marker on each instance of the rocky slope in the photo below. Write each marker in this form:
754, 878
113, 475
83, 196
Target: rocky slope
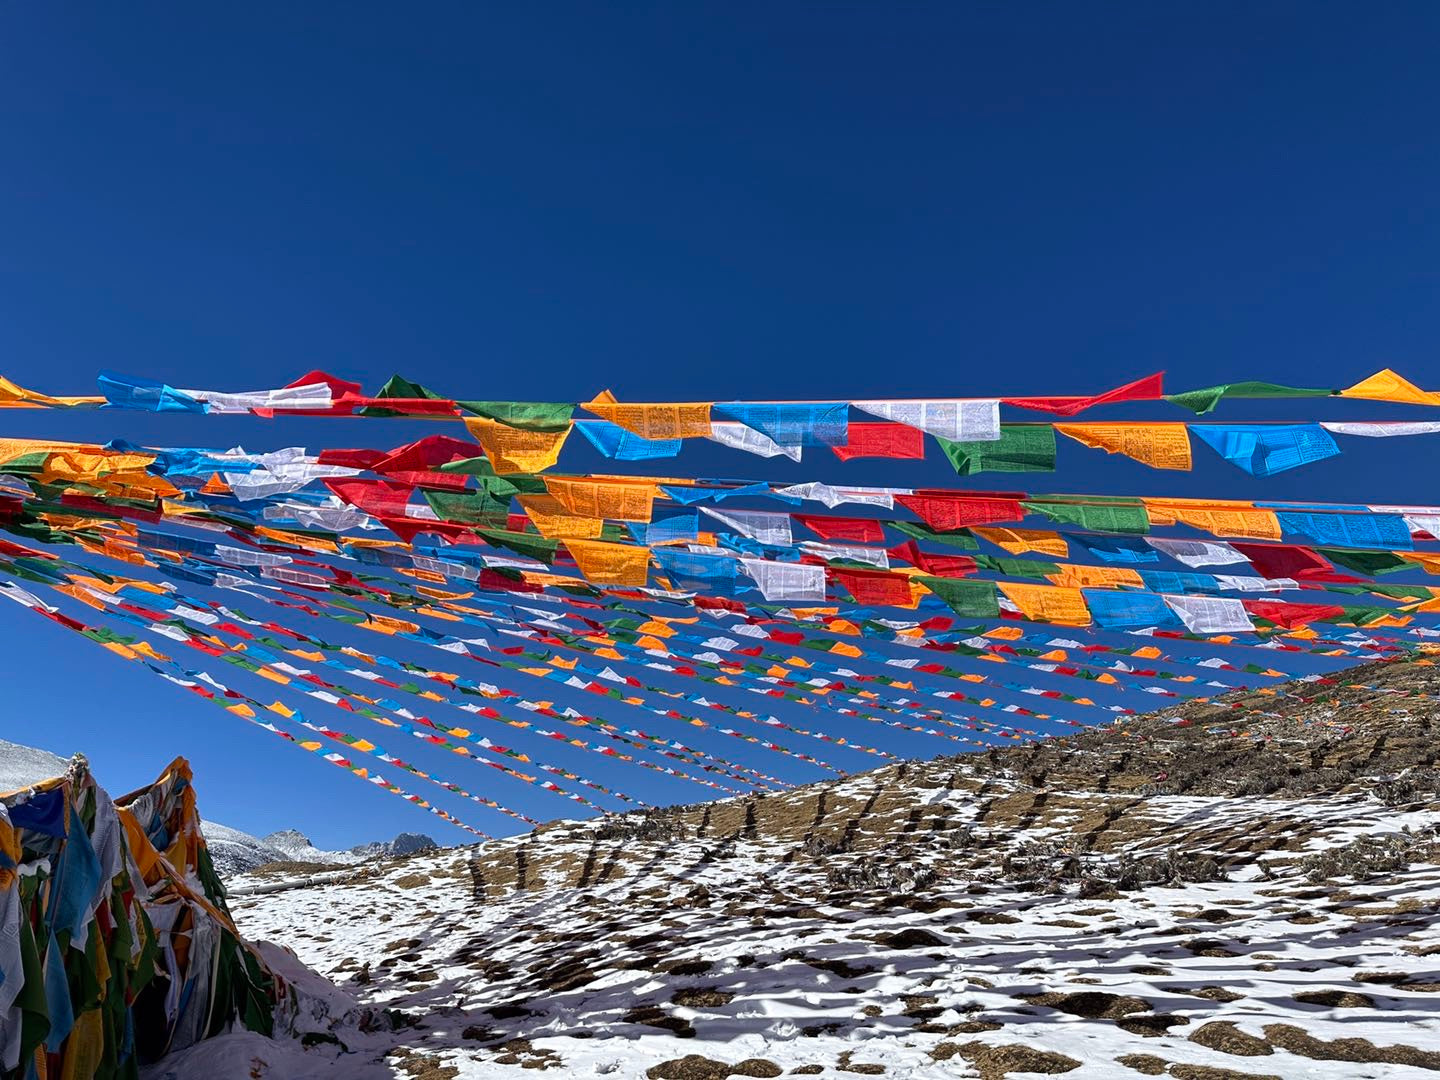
1240, 889
21, 766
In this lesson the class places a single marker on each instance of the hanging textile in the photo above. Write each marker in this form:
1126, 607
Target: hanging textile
1203, 401
881, 441
1161, 446
1197, 552
779, 581
809, 424
1048, 603
654, 422
946, 512
1386, 385
518, 450
551, 416
758, 525
620, 445
958, 421
1267, 449
740, 437
616, 500
1022, 541
1211, 615
1020, 448
1129, 611
1146, 389
973, 599
1112, 516
610, 564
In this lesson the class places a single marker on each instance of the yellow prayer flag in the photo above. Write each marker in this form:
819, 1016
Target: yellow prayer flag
555, 521
512, 450
610, 564
1386, 385
1161, 446
655, 421
1048, 603
616, 500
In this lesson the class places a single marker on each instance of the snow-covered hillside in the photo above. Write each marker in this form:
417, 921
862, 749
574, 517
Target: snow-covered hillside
1251, 894
21, 766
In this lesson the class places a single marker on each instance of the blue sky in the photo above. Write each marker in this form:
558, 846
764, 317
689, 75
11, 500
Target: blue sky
694, 202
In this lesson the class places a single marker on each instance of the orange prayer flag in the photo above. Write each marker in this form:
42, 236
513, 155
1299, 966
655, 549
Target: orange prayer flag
604, 563
663, 421
1386, 385
512, 450
1048, 603
1161, 446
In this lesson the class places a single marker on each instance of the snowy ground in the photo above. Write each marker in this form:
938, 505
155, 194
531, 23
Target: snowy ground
738, 940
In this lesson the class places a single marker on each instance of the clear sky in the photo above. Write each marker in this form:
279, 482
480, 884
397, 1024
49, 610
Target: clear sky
692, 201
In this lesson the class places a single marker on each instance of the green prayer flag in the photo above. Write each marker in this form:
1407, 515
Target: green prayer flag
1203, 401
470, 507
397, 386
528, 544
528, 415
1020, 448
976, 599
1110, 517
1038, 569
960, 538
1369, 563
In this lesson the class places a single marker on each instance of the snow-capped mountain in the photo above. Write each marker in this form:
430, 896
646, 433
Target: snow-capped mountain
21, 766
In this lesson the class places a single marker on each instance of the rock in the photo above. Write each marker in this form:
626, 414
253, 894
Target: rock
1153, 1026
911, 938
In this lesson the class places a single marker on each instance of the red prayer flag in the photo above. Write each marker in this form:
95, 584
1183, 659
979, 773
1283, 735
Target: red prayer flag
882, 440
1146, 389
859, 530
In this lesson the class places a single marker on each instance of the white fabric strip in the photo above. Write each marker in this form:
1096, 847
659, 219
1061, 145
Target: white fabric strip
833, 496
1210, 615
960, 421
786, 581
740, 437
309, 396
877, 557
1381, 431
767, 528
1198, 552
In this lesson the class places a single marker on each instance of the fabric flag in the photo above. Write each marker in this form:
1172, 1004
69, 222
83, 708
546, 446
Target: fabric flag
555, 521
860, 530
1370, 563
1128, 610
669, 421
470, 507
1350, 530
1290, 615
1023, 541
1386, 385
1198, 552
946, 512
958, 421
668, 529
834, 496
1203, 401
1077, 576
1218, 519
1118, 549
1111, 516
287, 398
807, 424
779, 581
1267, 449
882, 441
517, 450
530, 545
700, 568
1161, 446
740, 437
1284, 560
617, 443
960, 538
378, 498
877, 557
1211, 615
1149, 388
549, 416
972, 599
1382, 431
610, 564
13, 395
1048, 603
758, 525
132, 392
877, 588
1020, 448
614, 500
